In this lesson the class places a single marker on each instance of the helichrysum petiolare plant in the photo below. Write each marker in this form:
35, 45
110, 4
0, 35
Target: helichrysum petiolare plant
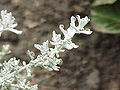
14, 76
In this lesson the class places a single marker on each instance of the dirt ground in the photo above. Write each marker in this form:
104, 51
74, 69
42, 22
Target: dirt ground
95, 65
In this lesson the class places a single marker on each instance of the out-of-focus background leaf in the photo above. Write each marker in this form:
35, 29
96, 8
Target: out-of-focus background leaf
101, 2
106, 18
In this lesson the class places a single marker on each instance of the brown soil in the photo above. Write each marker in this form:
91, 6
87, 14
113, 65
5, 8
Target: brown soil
95, 65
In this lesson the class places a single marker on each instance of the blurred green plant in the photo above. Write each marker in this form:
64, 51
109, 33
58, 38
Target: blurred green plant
106, 18
101, 2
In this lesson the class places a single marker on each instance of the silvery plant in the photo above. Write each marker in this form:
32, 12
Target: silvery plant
14, 74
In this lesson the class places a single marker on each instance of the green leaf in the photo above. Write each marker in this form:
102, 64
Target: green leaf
106, 18
101, 2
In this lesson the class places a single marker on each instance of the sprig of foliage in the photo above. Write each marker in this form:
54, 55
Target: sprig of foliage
14, 76
49, 58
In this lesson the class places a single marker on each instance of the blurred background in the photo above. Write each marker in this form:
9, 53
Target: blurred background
95, 65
